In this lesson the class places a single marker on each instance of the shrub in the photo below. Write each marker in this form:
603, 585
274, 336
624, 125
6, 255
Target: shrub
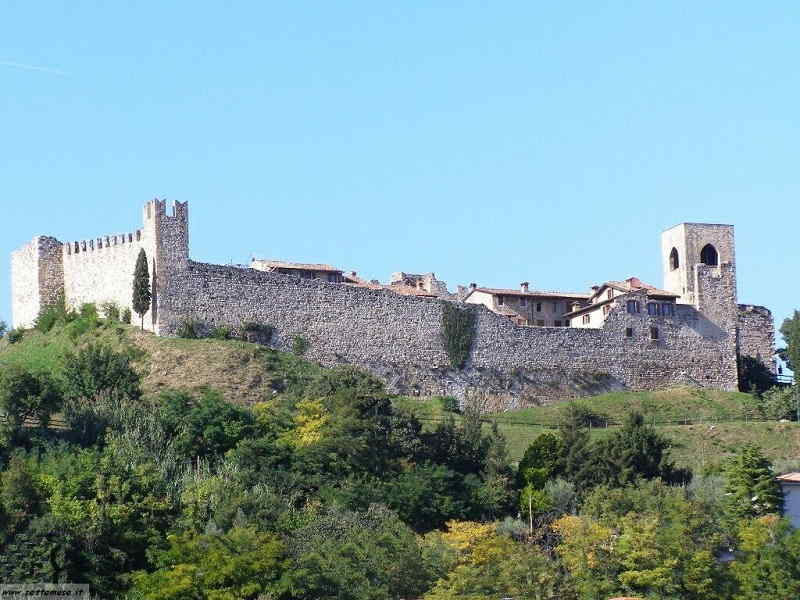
24, 395
3, 328
110, 311
52, 314
779, 403
458, 331
300, 345
449, 404
126, 315
260, 331
221, 333
189, 329
15, 335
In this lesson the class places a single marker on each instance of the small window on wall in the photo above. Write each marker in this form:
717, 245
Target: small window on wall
500, 300
653, 309
632, 306
606, 309
610, 294
557, 323
538, 307
566, 323
654, 333
523, 301
540, 323
629, 332
674, 262
668, 310
586, 319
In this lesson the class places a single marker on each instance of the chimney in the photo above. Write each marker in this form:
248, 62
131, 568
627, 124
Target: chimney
524, 287
634, 283
472, 286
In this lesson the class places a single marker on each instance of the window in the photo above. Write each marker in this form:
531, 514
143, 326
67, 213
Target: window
629, 332
557, 323
674, 263
709, 256
632, 306
538, 307
523, 301
586, 319
610, 294
668, 310
653, 309
654, 333
500, 300
555, 307
566, 323
606, 309
540, 323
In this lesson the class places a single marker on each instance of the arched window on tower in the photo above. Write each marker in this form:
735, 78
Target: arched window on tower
709, 256
674, 263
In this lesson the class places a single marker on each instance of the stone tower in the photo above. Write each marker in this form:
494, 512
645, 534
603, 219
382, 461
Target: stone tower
692, 251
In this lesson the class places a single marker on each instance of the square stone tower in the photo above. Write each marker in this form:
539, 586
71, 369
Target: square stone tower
687, 246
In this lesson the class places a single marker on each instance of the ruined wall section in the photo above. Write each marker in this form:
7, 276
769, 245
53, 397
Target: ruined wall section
37, 278
756, 335
399, 338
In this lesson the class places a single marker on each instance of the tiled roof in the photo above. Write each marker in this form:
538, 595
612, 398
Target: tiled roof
282, 264
633, 284
534, 293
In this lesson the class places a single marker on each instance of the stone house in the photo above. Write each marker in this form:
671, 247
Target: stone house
640, 298
302, 270
525, 307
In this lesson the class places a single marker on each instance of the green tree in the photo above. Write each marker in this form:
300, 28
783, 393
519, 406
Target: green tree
636, 450
750, 488
769, 562
790, 329
3, 328
541, 461
141, 286
242, 564
24, 395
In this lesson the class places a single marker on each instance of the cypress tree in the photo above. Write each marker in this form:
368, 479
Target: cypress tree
141, 286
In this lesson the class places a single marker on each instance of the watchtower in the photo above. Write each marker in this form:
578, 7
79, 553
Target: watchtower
692, 250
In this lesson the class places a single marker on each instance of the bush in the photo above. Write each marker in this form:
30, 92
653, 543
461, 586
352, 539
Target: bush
15, 335
3, 328
259, 332
189, 329
110, 311
126, 316
221, 333
779, 403
458, 331
300, 345
449, 404
53, 314
24, 395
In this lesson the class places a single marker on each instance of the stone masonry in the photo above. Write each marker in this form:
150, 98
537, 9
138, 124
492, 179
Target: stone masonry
399, 338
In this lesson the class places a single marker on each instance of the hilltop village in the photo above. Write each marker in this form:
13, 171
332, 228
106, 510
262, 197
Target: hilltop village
525, 342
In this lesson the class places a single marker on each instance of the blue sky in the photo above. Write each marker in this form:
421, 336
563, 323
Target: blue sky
487, 142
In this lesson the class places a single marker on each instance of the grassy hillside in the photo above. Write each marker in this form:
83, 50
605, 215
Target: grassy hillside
245, 373
707, 425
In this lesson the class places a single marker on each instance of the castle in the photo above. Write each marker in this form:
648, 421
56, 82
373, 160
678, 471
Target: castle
622, 334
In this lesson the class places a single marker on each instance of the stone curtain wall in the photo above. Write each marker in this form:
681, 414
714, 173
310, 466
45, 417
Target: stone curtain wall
757, 334
398, 338
37, 278
101, 270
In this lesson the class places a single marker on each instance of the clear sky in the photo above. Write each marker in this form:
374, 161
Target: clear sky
493, 142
